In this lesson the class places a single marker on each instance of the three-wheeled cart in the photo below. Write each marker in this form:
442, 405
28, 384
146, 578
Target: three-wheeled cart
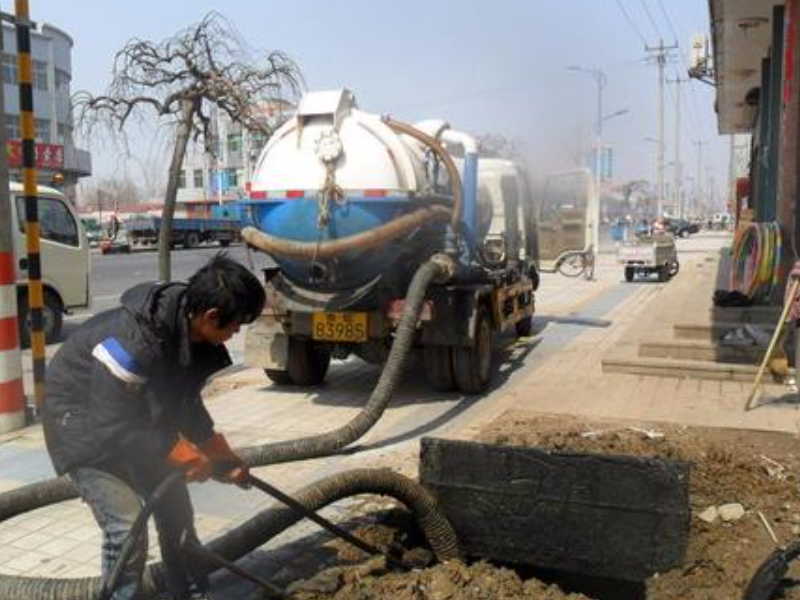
647, 254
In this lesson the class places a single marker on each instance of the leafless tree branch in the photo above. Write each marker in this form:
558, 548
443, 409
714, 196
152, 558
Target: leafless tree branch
179, 80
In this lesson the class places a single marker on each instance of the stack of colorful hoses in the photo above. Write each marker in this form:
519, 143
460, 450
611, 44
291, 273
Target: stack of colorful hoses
756, 256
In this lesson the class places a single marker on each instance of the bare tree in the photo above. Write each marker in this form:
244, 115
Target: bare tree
181, 79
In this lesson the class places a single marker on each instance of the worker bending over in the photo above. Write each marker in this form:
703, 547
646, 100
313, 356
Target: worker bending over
123, 410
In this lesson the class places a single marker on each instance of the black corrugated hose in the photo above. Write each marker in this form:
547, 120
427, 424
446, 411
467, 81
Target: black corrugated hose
769, 576
270, 522
261, 528
328, 443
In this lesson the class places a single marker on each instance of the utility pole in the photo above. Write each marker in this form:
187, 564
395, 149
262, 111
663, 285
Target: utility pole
699, 182
600, 79
660, 55
677, 183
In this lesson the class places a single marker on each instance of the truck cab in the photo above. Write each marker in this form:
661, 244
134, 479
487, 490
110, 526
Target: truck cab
64, 251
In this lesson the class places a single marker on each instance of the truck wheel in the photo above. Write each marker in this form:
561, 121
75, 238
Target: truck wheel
52, 319
191, 240
439, 367
674, 267
472, 366
524, 327
278, 376
629, 273
308, 363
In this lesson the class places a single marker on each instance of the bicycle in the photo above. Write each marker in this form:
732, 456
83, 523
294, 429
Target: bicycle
574, 263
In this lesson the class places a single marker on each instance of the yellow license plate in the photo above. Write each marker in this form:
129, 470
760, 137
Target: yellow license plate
339, 326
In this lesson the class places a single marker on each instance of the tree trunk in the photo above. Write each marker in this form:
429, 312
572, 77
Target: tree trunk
178, 153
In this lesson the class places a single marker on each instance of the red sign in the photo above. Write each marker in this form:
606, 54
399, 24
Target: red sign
48, 156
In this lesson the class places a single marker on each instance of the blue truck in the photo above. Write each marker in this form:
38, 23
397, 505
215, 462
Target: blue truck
143, 231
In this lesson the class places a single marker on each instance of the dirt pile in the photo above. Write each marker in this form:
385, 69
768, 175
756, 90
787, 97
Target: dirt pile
452, 580
738, 473
371, 580
756, 470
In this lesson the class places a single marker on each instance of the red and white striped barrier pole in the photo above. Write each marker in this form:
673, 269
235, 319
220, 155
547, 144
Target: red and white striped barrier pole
12, 394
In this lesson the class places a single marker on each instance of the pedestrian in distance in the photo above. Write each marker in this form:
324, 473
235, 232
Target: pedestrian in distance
123, 411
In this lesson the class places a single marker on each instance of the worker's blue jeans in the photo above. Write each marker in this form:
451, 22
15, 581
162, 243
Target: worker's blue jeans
115, 505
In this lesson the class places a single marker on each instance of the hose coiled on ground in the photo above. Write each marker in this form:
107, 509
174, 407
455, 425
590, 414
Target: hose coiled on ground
756, 256
261, 528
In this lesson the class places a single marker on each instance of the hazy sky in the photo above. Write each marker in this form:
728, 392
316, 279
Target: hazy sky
487, 67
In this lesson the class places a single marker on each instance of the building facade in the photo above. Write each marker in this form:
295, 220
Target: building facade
59, 162
756, 71
221, 176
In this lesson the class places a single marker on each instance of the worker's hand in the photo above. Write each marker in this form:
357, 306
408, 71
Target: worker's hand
228, 467
185, 455
795, 272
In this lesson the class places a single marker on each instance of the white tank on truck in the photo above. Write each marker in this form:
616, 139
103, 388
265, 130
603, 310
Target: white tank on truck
349, 205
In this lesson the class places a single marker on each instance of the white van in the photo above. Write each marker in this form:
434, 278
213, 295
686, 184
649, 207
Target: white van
64, 256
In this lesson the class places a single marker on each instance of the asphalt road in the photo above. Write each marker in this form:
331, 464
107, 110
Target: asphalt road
112, 274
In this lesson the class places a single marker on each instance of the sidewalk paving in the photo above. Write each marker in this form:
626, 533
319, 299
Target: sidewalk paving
556, 371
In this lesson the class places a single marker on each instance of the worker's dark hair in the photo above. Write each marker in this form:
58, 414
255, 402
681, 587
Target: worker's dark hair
228, 286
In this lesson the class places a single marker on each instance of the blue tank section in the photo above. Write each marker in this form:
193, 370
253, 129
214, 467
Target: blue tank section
297, 218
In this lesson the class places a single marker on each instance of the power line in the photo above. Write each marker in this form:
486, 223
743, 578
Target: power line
667, 19
695, 112
631, 22
650, 17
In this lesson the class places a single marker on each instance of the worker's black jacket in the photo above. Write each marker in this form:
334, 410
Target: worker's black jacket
127, 382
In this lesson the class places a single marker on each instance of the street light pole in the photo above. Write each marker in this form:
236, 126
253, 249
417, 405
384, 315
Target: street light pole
678, 167
600, 79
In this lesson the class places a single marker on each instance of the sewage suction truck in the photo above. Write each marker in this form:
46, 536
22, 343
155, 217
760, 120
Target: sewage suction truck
386, 234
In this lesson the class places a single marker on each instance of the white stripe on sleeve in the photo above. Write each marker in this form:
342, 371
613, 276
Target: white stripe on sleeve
117, 370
